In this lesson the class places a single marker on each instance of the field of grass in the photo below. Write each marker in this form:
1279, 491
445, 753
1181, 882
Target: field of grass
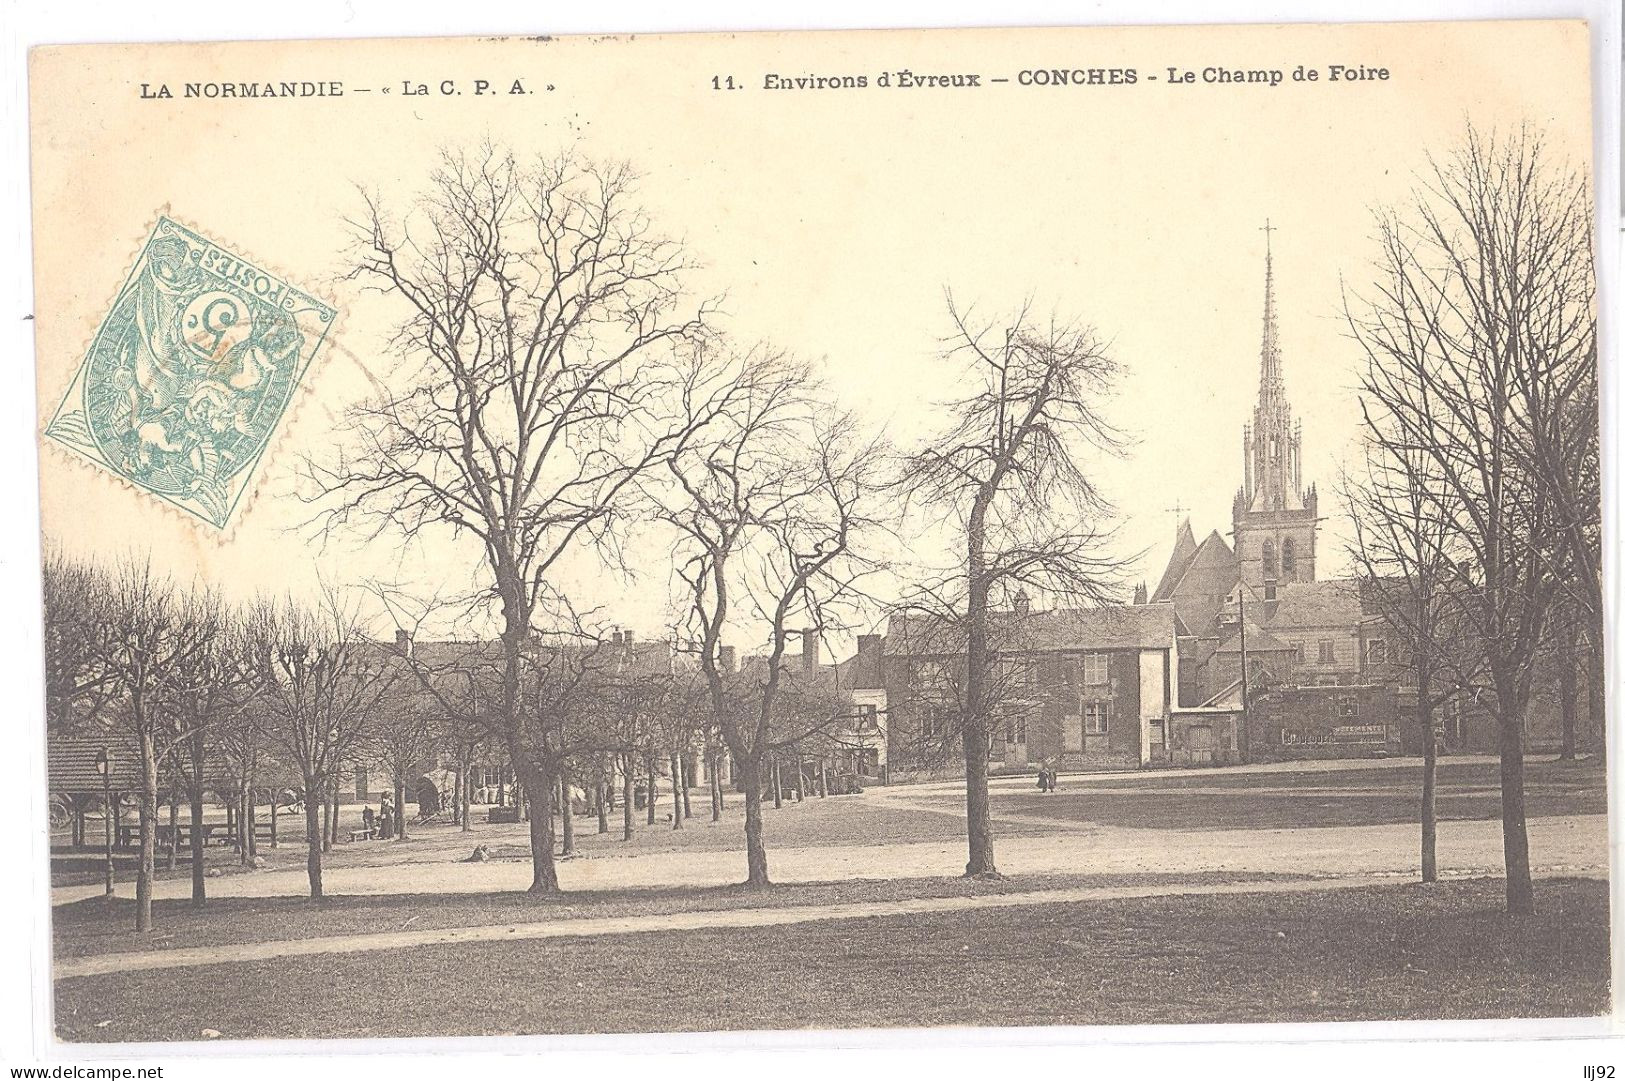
96, 927
1306, 799
814, 822
1380, 952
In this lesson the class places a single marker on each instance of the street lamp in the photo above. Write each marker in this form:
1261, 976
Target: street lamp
104, 766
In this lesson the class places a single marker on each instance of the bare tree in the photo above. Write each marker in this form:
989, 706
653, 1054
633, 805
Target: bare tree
144, 642
323, 683
1398, 542
772, 498
1008, 473
1480, 291
217, 685
539, 315
77, 683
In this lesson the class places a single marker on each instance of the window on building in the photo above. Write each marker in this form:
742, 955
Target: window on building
1348, 707
1269, 559
866, 718
1328, 651
1094, 718
1402, 653
1015, 728
1094, 669
1289, 558
938, 720
1297, 652
1376, 651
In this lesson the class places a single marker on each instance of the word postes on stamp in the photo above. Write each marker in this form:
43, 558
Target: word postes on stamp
190, 372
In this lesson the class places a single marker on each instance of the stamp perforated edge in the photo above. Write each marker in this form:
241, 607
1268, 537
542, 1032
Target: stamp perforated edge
110, 479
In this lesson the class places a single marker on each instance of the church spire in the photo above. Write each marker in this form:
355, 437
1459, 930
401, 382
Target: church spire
1271, 385
1275, 516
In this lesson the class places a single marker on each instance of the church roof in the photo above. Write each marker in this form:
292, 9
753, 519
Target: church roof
1184, 552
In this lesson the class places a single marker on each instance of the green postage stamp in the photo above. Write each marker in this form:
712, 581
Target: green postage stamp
190, 372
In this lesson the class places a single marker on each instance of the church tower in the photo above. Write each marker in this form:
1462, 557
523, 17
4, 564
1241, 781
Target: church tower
1274, 514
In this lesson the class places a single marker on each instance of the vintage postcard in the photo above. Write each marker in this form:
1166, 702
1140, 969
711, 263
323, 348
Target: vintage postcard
1043, 527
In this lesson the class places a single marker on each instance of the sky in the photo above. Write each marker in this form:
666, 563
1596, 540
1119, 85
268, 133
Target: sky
833, 221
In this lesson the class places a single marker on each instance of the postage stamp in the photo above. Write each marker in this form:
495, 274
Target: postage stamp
190, 372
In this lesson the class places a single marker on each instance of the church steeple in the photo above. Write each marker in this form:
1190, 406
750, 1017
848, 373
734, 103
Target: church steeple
1274, 514
1274, 473
1271, 387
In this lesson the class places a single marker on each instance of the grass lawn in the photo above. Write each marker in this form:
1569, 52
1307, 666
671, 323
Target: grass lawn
831, 821
1380, 952
95, 927
1290, 800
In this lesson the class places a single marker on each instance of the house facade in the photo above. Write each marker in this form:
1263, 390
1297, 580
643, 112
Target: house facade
1073, 688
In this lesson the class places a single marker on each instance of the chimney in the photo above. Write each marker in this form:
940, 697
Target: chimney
809, 650
1023, 603
626, 637
403, 642
725, 658
615, 639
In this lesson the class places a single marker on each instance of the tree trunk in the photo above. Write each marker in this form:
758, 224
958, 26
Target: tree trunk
148, 824
199, 892
566, 813
601, 792
249, 820
778, 785
274, 809
650, 789
801, 777
314, 834
174, 829
463, 814
1514, 828
1595, 702
716, 786
544, 872
1569, 689
626, 798
755, 849
1430, 779
688, 783
676, 793
324, 836
400, 807
973, 726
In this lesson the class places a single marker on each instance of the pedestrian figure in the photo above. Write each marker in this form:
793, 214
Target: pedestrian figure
1043, 779
367, 819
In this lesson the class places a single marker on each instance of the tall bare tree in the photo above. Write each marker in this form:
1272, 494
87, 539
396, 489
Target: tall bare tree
539, 314
144, 643
1399, 537
1482, 293
323, 683
218, 683
1008, 471
772, 497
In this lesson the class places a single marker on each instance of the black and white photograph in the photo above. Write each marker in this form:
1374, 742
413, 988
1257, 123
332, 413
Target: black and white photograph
1049, 528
